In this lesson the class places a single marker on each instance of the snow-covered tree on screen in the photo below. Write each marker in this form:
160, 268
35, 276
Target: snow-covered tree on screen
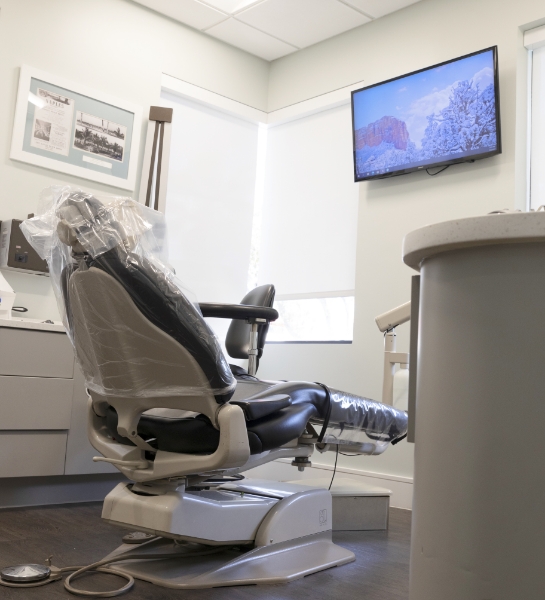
467, 123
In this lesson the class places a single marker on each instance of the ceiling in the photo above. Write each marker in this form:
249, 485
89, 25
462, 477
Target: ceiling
273, 28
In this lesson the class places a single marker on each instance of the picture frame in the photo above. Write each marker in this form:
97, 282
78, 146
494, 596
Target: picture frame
71, 128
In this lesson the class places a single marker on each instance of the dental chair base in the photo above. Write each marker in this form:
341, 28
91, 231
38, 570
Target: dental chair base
240, 533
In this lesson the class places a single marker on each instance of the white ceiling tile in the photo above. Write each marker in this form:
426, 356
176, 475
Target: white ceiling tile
191, 12
379, 8
302, 22
247, 38
230, 6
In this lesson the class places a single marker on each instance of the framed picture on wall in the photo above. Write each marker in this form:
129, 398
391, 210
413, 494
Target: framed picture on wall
67, 127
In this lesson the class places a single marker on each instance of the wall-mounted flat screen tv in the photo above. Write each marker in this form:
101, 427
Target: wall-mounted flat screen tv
445, 114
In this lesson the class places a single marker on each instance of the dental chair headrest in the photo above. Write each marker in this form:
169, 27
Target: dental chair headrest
88, 225
68, 237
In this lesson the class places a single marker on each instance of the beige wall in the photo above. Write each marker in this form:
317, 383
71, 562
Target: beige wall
115, 46
416, 37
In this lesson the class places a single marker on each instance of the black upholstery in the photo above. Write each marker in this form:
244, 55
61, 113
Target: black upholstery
187, 435
238, 334
307, 402
377, 423
256, 408
237, 312
198, 436
241, 374
280, 428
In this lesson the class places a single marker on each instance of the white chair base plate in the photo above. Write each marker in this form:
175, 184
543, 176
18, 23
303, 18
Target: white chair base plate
273, 564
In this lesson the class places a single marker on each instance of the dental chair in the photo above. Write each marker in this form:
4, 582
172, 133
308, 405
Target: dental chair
166, 410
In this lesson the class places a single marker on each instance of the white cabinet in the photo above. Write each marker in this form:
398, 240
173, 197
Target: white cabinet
32, 453
43, 405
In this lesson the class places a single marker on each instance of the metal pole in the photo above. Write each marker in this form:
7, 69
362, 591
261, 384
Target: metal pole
252, 351
389, 368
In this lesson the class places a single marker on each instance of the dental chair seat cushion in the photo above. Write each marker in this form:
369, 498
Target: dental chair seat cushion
194, 435
256, 408
198, 436
280, 428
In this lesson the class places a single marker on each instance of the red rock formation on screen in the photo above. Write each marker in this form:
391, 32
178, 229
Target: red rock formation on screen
387, 129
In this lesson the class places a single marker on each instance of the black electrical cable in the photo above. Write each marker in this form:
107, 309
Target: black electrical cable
437, 172
328, 414
335, 467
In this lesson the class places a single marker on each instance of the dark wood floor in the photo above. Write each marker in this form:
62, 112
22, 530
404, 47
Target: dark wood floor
75, 535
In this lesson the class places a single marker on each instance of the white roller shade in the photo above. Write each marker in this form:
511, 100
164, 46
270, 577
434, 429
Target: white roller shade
310, 206
210, 199
537, 179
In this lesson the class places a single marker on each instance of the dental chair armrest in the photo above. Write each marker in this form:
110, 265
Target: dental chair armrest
242, 312
256, 408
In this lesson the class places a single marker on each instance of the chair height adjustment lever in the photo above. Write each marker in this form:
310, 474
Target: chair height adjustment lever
129, 464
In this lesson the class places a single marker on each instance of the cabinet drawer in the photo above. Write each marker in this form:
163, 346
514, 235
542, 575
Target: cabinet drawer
32, 453
35, 403
34, 353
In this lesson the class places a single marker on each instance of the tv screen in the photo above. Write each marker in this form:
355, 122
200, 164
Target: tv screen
441, 115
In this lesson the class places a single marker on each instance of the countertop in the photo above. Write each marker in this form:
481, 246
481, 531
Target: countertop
36, 324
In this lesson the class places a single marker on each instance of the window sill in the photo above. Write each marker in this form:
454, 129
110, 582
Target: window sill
312, 342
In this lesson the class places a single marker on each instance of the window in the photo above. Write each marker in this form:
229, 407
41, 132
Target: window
535, 42
210, 199
250, 203
313, 320
309, 225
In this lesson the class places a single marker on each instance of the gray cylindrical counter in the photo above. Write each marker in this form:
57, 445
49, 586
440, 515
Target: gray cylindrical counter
479, 494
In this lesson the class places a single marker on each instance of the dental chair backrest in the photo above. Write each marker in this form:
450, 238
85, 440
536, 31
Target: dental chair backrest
136, 335
237, 340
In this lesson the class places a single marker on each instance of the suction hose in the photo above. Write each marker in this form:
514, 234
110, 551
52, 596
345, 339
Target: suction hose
100, 567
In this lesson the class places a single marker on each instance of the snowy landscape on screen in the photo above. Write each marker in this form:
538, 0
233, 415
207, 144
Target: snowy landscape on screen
430, 116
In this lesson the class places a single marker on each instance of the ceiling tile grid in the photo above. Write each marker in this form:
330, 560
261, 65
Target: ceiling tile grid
191, 12
379, 8
302, 22
273, 28
252, 40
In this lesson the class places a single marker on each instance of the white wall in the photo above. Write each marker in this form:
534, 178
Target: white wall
115, 46
416, 37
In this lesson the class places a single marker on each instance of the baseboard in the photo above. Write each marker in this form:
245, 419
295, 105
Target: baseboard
281, 470
61, 489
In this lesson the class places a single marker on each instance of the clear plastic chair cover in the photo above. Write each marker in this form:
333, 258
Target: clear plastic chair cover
355, 420
73, 231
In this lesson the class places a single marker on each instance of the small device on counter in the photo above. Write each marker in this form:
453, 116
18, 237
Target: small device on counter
16, 254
